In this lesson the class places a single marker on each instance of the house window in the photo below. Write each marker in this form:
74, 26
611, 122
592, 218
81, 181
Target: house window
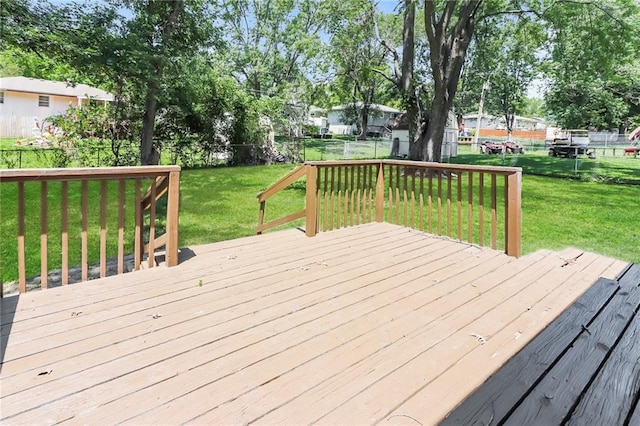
43, 101
1, 97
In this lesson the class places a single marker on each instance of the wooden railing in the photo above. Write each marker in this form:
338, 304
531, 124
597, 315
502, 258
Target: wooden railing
477, 204
126, 211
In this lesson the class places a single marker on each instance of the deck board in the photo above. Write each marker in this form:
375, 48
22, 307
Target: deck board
582, 369
283, 329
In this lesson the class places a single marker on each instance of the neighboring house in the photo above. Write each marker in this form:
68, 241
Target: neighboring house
26, 103
498, 123
381, 119
318, 117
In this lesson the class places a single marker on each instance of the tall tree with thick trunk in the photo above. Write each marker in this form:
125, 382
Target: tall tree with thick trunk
448, 27
161, 23
449, 40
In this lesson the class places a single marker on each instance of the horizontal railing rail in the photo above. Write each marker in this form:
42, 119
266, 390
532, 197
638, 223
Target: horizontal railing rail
477, 204
91, 206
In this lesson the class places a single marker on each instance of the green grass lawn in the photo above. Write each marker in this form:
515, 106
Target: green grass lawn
220, 204
605, 169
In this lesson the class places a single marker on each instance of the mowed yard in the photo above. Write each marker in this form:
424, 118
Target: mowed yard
220, 204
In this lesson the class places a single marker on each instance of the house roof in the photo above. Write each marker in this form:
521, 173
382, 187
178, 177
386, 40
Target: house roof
56, 88
517, 117
378, 107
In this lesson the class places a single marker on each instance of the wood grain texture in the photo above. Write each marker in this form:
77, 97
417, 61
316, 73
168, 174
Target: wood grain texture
513, 382
582, 369
279, 328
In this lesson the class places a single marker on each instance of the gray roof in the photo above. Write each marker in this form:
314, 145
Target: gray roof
47, 87
378, 107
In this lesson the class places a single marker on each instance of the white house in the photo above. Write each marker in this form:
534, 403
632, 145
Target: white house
381, 119
493, 122
25, 103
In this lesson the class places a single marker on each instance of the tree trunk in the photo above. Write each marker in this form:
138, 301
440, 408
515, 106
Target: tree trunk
364, 122
448, 42
147, 151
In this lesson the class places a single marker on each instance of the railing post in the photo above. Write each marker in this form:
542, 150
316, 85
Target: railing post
513, 214
173, 201
263, 206
380, 193
311, 204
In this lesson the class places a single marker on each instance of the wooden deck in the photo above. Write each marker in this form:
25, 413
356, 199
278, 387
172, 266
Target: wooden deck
374, 323
583, 369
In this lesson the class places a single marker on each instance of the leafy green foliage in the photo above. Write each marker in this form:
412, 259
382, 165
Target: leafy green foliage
594, 64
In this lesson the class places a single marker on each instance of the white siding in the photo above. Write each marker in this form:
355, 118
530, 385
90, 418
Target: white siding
19, 112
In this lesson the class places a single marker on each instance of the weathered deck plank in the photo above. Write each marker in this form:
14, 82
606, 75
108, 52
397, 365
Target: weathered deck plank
581, 369
283, 328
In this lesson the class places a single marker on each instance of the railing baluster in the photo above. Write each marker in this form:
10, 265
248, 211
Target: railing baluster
413, 199
397, 195
325, 209
44, 217
332, 199
380, 193
352, 196
390, 195
339, 200
359, 197
481, 207
405, 197
83, 237
470, 209
22, 273
152, 226
139, 243
449, 194
103, 228
494, 216
64, 218
430, 203
345, 208
439, 202
422, 199
121, 192
459, 194
371, 189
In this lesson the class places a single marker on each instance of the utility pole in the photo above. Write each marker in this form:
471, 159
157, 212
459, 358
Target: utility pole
485, 87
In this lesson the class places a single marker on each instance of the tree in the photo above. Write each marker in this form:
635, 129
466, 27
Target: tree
507, 57
448, 28
593, 64
358, 58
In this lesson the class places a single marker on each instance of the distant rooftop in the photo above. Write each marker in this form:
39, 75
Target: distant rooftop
378, 107
56, 88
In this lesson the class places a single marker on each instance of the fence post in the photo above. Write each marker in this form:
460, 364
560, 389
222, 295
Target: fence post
311, 204
380, 193
513, 214
173, 201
